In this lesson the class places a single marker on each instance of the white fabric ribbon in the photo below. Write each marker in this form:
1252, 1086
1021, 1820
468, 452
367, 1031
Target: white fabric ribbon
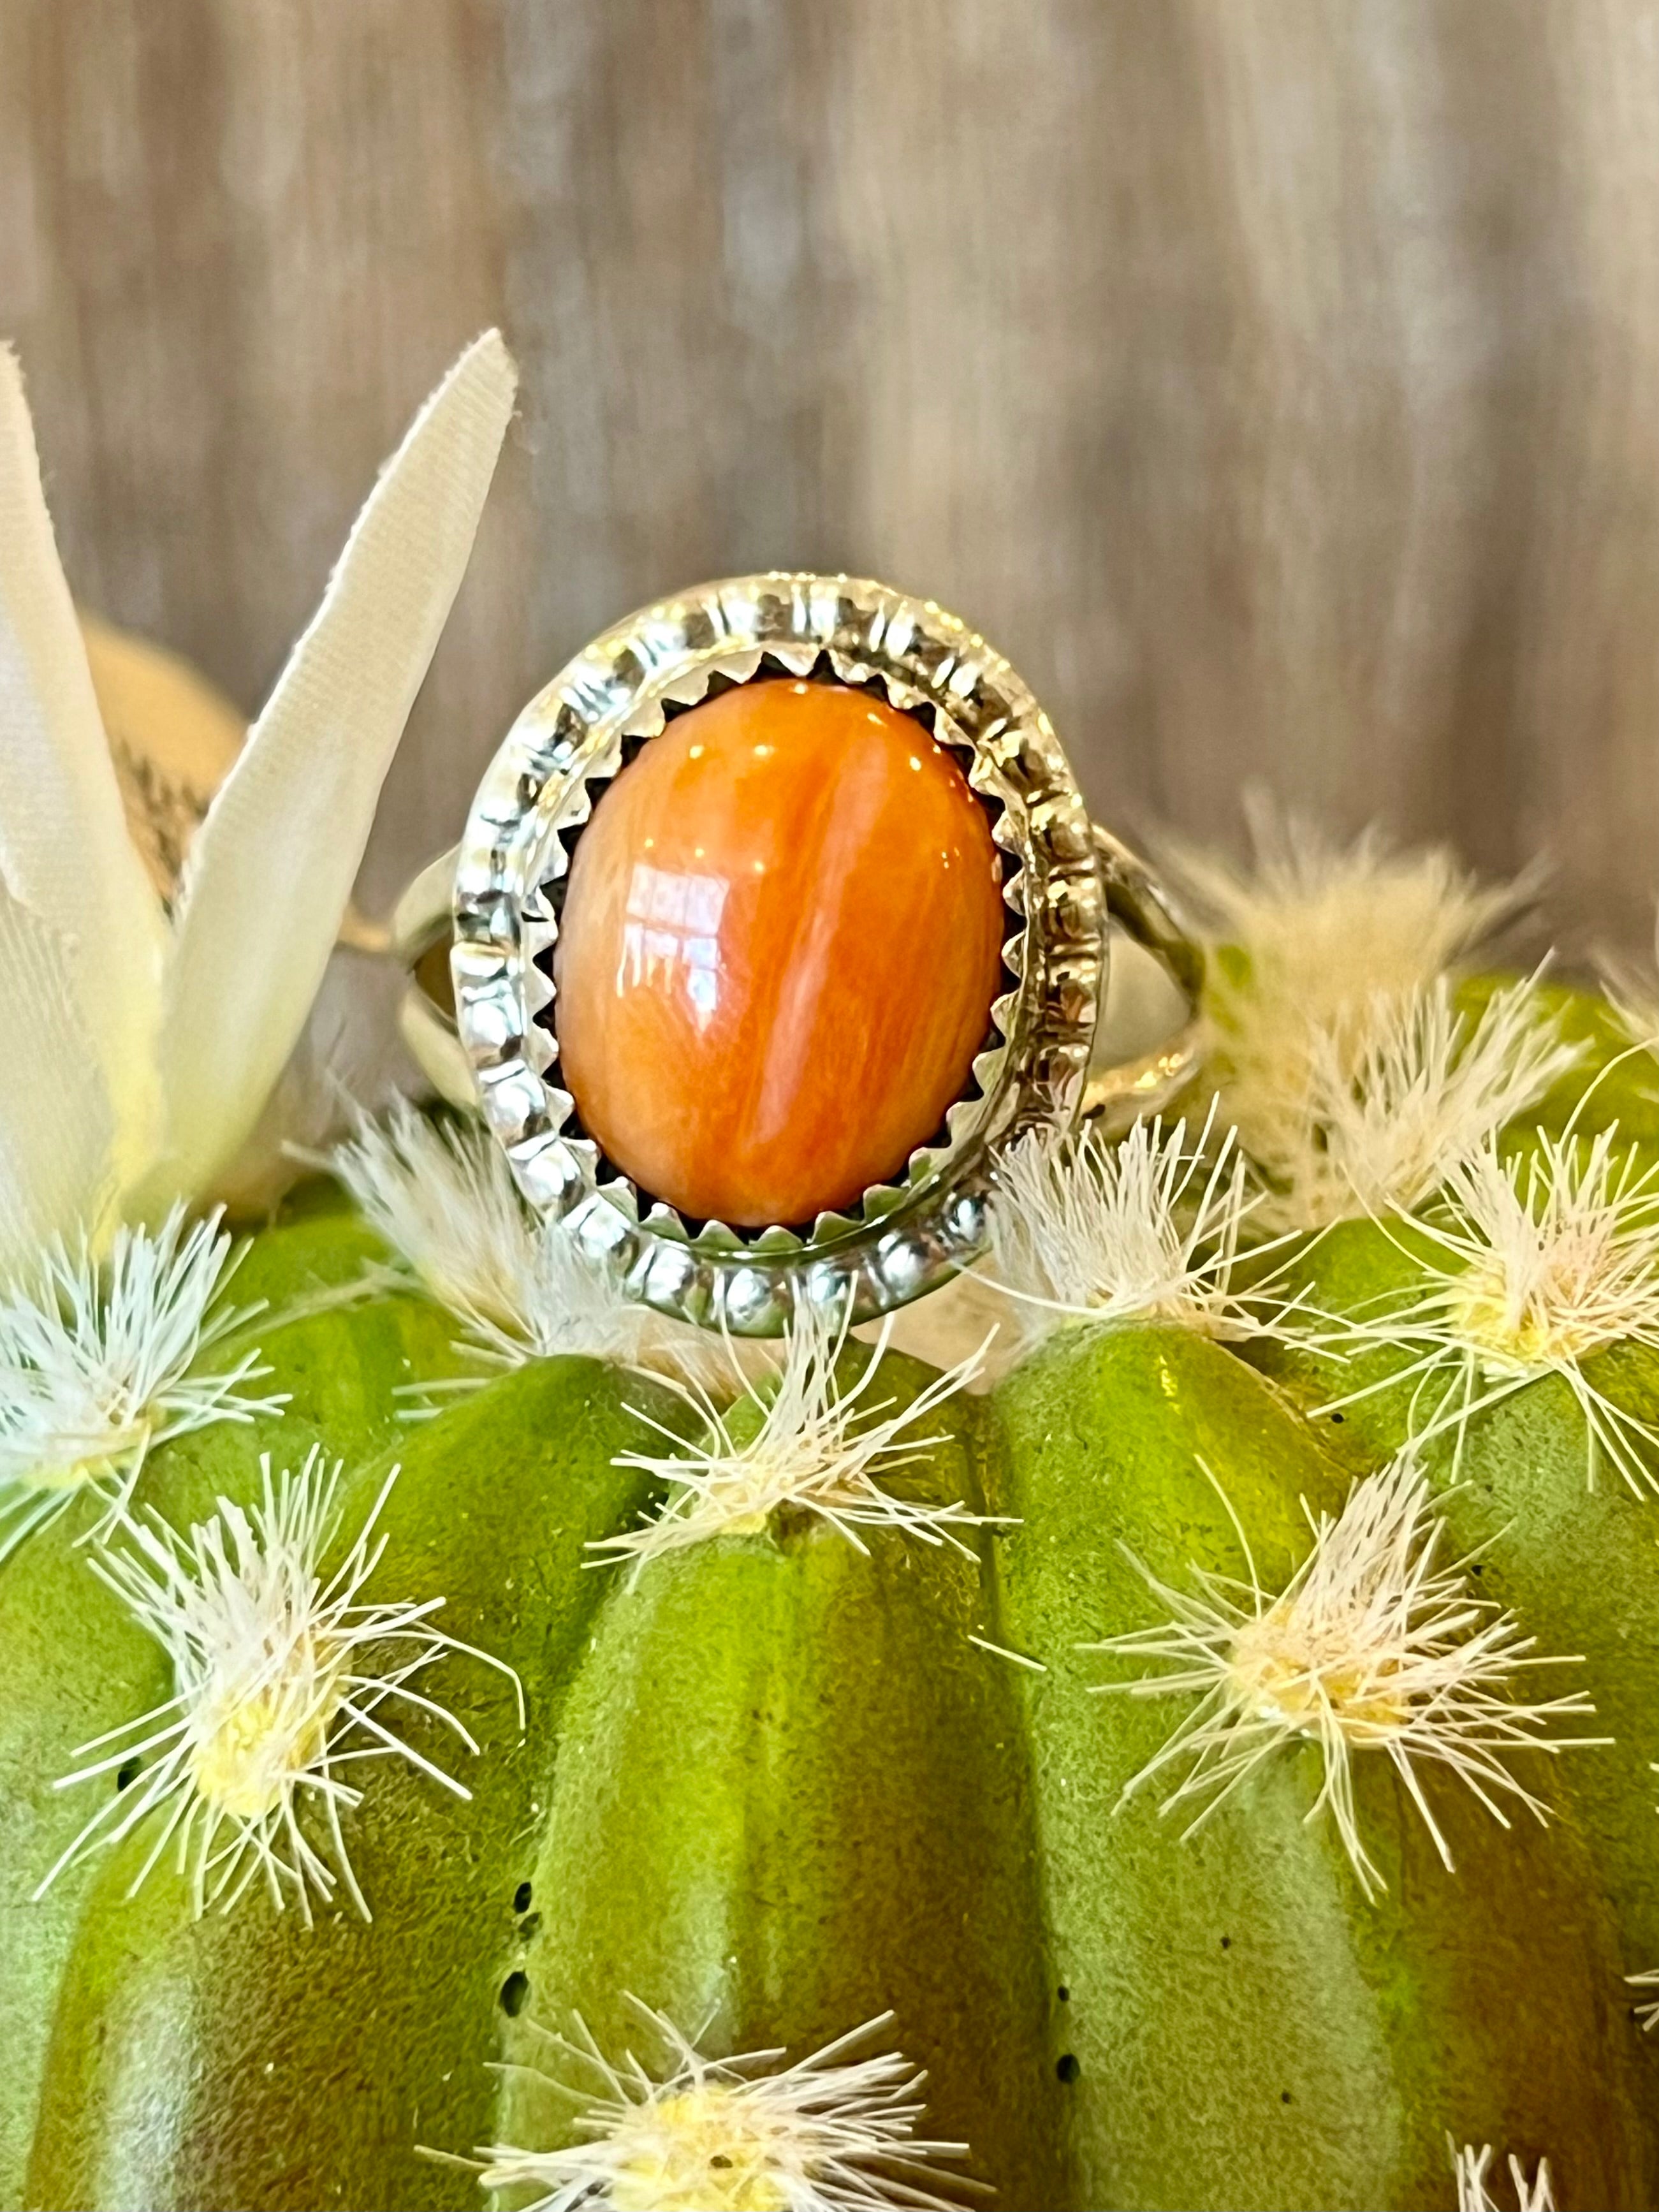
137, 1049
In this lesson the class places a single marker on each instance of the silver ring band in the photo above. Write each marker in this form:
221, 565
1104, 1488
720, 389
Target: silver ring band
423, 924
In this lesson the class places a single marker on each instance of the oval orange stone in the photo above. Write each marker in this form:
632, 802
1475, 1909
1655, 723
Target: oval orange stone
780, 941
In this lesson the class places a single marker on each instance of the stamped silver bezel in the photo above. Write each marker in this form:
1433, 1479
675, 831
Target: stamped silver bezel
903, 1236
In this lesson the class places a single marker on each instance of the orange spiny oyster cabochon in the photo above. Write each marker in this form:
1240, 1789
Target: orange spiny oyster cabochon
779, 949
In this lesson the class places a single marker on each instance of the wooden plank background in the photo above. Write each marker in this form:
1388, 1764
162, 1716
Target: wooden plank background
1276, 381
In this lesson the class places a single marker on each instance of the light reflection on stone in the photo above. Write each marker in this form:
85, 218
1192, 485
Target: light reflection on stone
672, 922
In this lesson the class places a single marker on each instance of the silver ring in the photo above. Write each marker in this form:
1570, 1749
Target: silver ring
1068, 888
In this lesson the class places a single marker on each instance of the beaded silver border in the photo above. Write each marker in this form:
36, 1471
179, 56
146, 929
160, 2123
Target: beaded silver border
904, 1237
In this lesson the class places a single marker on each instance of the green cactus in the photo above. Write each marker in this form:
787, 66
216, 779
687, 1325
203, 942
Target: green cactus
1250, 2027
1212, 1801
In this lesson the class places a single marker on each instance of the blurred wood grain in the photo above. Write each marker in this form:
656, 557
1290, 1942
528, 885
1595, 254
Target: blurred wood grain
1276, 381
